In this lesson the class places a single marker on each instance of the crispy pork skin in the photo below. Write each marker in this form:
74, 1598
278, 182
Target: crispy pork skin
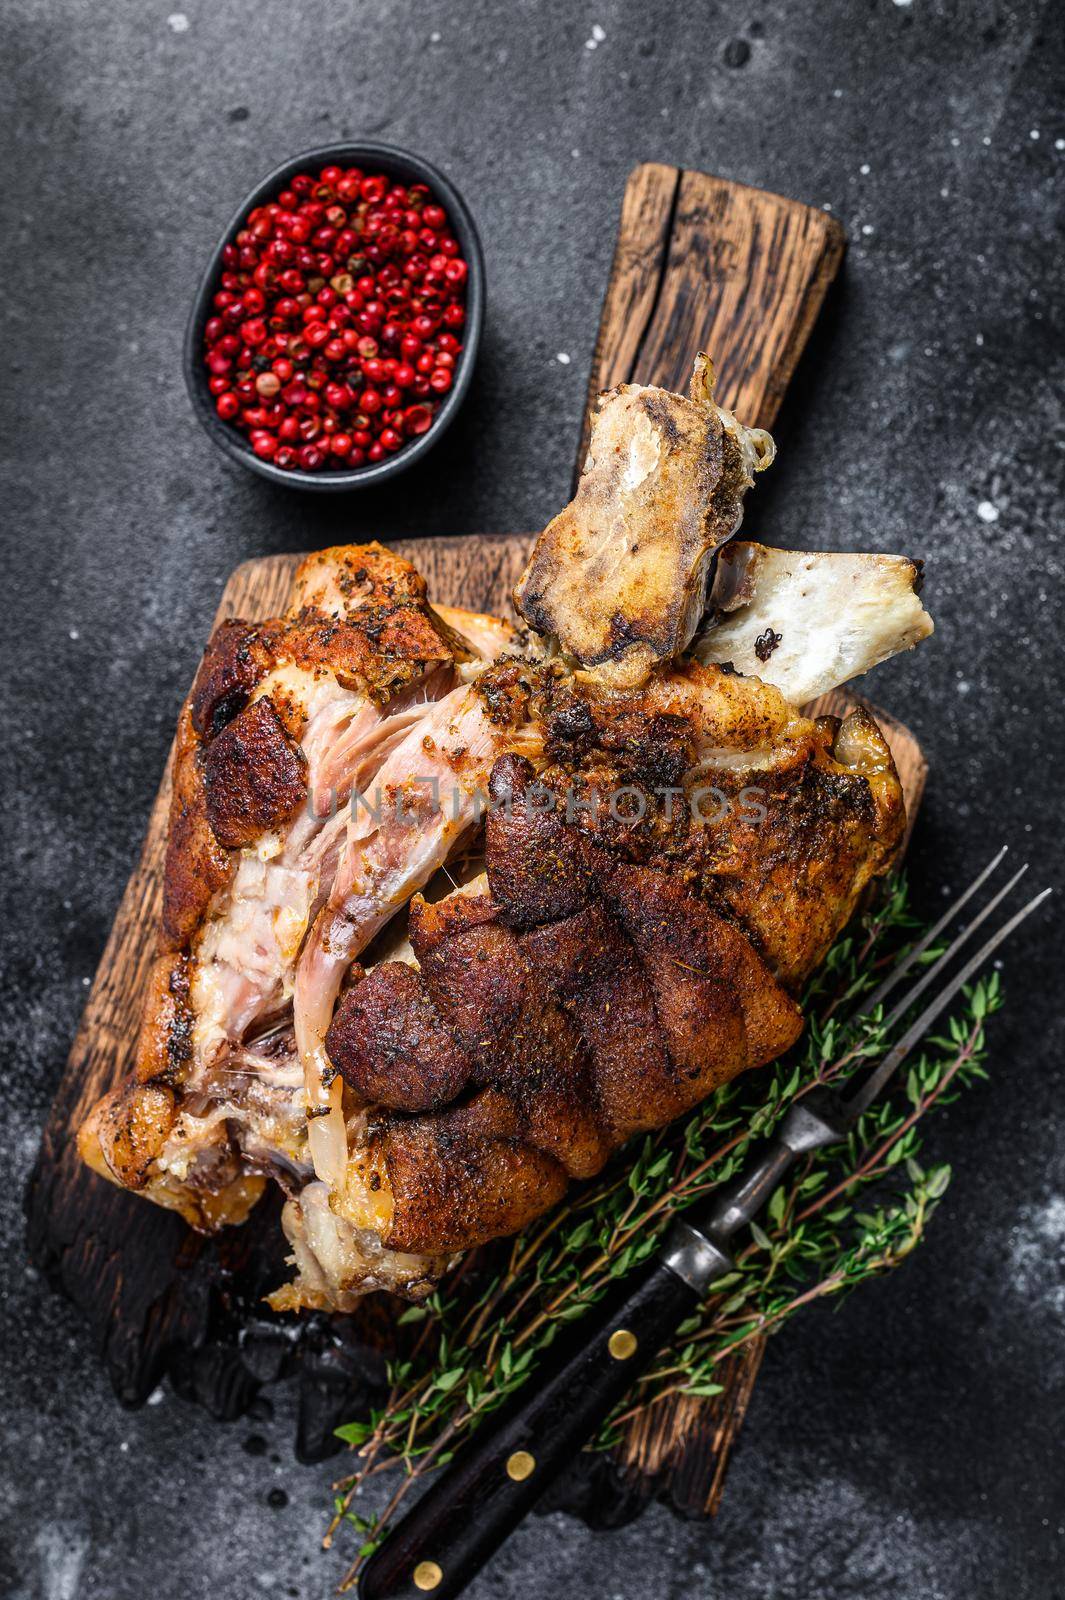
574, 1035
669, 848
823, 820
197, 865
392, 1045
505, 1016
777, 820
463, 1176
539, 871
164, 1043
616, 972
129, 1128
235, 660
599, 981
719, 1007
255, 776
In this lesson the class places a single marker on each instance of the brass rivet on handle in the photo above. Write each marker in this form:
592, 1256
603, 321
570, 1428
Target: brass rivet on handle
622, 1344
427, 1575
520, 1465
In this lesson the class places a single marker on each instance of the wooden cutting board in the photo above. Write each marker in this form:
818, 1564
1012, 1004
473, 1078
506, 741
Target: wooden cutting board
700, 264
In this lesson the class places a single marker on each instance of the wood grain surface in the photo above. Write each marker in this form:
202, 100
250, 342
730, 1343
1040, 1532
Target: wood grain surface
700, 263
704, 264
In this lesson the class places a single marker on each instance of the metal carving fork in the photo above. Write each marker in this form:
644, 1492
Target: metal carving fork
481, 1497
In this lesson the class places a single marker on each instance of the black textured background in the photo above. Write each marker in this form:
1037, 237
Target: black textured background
909, 1444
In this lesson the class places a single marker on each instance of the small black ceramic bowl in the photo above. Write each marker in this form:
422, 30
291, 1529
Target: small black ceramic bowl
407, 168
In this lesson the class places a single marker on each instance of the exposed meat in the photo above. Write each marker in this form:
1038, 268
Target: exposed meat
487, 638
126, 1137
330, 1253
427, 796
287, 724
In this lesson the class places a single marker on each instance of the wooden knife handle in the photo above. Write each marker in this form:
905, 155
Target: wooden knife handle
481, 1497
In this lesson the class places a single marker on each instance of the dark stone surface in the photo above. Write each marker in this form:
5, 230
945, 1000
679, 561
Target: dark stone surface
909, 1444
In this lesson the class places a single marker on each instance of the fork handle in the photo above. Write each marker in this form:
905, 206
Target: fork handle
503, 1470
479, 1500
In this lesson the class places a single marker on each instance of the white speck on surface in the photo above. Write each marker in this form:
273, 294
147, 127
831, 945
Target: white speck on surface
1034, 134
1037, 1254
955, 141
62, 1550
74, 634
986, 139
178, 22
591, 44
944, 194
1059, 144
865, 169
987, 512
563, 358
904, 5
826, 205
598, 32
434, 38
575, 153
964, 687
837, 94
867, 228
157, 1397
979, 338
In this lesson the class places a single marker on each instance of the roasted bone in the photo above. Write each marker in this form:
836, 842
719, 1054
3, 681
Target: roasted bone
619, 576
807, 621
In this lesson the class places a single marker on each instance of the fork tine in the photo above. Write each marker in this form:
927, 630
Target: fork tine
918, 950
958, 943
867, 1092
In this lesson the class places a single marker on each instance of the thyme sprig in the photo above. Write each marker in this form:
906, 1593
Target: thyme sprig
846, 1214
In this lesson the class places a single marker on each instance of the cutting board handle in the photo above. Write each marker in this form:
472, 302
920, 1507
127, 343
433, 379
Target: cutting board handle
705, 264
